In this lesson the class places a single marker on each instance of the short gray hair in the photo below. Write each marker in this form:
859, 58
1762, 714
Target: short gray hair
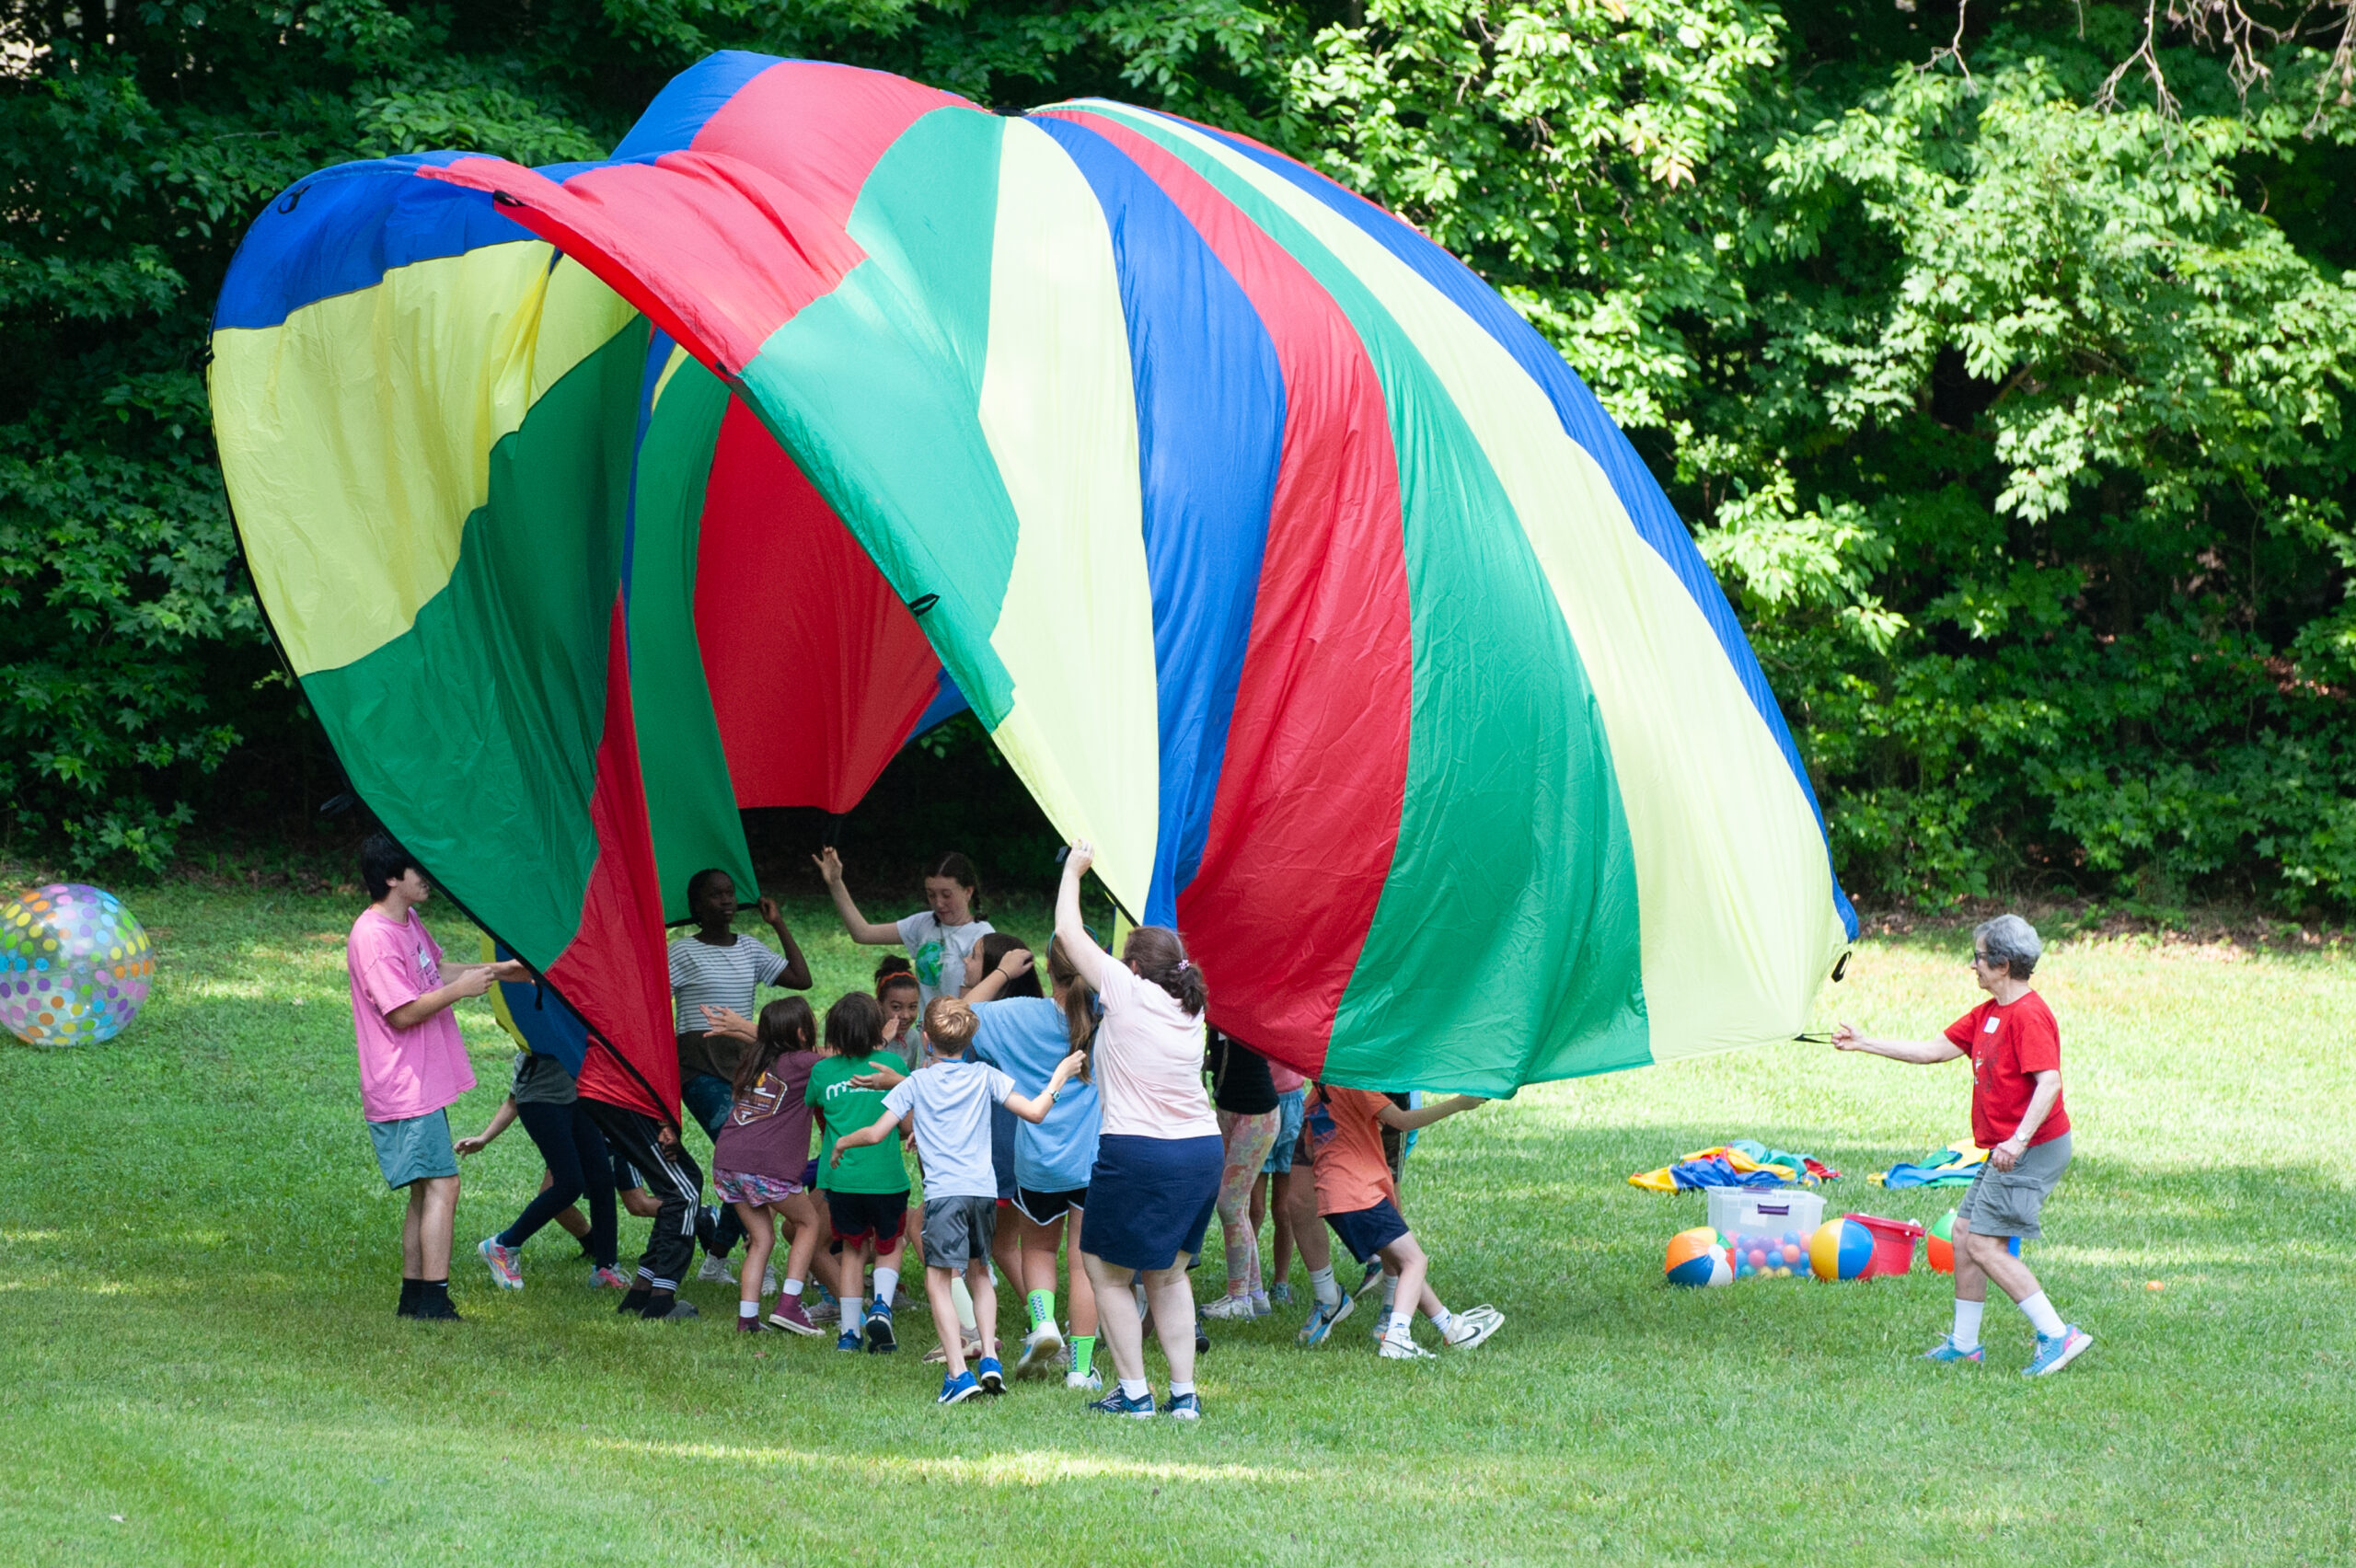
2011, 941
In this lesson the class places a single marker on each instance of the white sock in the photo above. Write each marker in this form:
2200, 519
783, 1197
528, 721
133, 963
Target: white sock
1179, 1390
793, 1287
1322, 1282
963, 1300
1966, 1323
1398, 1329
2041, 1313
748, 1308
1441, 1319
1137, 1388
886, 1282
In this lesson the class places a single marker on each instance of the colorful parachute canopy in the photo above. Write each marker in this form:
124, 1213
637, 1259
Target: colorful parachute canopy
1279, 557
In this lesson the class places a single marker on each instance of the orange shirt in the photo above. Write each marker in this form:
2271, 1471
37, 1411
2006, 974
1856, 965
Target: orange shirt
1345, 1138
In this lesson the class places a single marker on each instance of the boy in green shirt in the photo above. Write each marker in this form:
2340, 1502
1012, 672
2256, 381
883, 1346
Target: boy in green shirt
867, 1194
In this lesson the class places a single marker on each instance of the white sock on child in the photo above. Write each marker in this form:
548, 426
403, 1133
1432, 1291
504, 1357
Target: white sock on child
2041, 1313
1399, 1326
1441, 1319
1179, 1390
1322, 1282
1966, 1323
1137, 1388
748, 1308
886, 1281
793, 1287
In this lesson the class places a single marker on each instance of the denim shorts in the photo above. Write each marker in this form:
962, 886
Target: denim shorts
1288, 1106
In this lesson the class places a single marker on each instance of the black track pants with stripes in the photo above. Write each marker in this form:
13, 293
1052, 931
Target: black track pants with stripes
671, 1175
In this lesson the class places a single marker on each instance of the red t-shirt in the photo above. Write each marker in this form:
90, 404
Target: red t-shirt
2007, 1045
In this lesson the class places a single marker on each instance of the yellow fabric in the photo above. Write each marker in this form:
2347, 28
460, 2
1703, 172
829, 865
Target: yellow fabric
356, 435
1735, 892
1074, 629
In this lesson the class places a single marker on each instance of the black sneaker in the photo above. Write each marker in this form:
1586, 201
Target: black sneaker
436, 1309
677, 1312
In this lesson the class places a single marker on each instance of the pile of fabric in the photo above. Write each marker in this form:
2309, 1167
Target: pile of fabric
1941, 1168
1742, 1163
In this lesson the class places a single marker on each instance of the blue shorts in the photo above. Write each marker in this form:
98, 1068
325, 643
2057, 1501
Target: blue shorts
1369, 1230
1150, 1199
1288, 1106
415, 1149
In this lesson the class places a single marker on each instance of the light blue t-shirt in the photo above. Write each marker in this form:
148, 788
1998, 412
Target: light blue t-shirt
1026, 1036
948, 1104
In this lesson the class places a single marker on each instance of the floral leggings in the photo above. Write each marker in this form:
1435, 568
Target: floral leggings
1249, 1139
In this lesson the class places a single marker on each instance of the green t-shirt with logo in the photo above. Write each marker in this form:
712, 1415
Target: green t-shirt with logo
878, 1167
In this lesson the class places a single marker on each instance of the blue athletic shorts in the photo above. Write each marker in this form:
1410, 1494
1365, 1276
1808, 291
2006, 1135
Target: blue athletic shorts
414, 1148
1369, 1230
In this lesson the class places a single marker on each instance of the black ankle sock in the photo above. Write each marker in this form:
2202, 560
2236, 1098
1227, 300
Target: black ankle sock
433, 1292
659, 1302
408, 1297
634, 1300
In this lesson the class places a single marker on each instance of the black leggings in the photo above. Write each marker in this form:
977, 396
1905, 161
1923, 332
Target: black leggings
575, 1152
671, 1177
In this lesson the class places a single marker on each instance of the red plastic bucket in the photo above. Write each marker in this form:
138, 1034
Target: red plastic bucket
1893, 1244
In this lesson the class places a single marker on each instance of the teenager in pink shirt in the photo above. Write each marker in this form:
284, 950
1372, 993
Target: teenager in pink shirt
412, 1064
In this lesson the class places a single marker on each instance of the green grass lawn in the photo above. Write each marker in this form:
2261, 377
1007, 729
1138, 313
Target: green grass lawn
198, 1264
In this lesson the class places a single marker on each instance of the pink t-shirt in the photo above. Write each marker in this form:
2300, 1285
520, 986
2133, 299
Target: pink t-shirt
403, 1072
1149, 1062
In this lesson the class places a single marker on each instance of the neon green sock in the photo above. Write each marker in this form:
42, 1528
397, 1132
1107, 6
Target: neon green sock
1083, 1354
1042, 1307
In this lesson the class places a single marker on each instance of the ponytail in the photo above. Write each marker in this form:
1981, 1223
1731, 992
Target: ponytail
1161, 959
1079, 1003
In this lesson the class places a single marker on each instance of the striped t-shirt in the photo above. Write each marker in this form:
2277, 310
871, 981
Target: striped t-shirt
727, 976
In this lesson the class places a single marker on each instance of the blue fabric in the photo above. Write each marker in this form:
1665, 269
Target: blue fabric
549, 1027
1210, 401
1586, 422
693, 96
1717, 1173
345, 227
1024, 1037
414, 1148
1150, 1200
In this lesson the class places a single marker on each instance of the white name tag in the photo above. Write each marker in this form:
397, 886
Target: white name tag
1992, 1021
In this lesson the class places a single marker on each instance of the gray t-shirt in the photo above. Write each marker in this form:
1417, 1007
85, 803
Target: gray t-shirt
948, 1104
541, 1080
938, 952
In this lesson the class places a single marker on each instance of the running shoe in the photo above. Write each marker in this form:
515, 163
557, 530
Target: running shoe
1041, 1346
824, 1310
438, 1310
1321, 1319
1182, 1407
790, 1317
959, 1389
715, 1271
1119, 1404
2053, 1354
501, 1263
1231, 1310
1091, 1380
1946, 1350
849, 1340
677, 1312
1400, 1345
939, 1354
1261, 1304
1280, 1293
605, 1278
1373, 1277
991, 1376
1474, 1326
880, 1338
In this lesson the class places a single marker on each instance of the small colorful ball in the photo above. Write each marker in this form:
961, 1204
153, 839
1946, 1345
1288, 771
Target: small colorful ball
1840, 1250
74, 966
1698, 1257
1940, 1244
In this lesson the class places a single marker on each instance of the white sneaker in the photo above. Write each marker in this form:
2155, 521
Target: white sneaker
1473, 1326
1093, 1381
716, 1271
1231, 1308
1399, 1346
1040, 1348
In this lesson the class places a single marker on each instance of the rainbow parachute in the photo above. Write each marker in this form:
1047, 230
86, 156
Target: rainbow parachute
1277, 555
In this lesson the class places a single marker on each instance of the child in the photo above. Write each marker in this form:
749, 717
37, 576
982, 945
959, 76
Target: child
902, 999
542, 1095
1024, 1035
867, 1194
937, 936
1356, 1197
412, 1063
1244, 1092
949, 1103
1271, 1196
757, 1161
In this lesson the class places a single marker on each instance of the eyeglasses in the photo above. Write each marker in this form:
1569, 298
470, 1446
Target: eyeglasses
1977, 959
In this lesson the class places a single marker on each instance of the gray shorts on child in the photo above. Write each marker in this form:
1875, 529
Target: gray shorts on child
2005, 1203
958, 1230
414, 1148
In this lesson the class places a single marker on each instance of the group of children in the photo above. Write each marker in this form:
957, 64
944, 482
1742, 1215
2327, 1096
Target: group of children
1077, 1118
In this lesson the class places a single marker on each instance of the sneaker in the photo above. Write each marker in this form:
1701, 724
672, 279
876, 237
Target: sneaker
1321, 1319
1231, 1308
1182, 1407
1093, 1381
436, 1310
1119, 1404
2053, 1354
715, 1271
1400, 1346
824, 1310
991, 1376
1946, 1350
1041, 1346
849, 1340
1261, 1304
939, 1354
1373, 1277
957, 1389
880, 1338
1280, 1293
825, 1297
501, 1263
749, 1325
677, 1312
790, 1317
605, 1278
1473, 1326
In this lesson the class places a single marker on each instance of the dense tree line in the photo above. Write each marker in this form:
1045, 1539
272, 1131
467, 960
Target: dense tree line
1998, 359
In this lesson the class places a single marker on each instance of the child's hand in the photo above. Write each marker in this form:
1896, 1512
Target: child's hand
1082, 856
729, 1021
772, 913
510, 970
1069, 1068
1016, 962
830, 866
470, 1145
837, 1157
474, 981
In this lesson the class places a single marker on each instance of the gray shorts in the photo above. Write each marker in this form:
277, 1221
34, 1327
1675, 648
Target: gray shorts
414, 1148
2005, 1203
958, 1231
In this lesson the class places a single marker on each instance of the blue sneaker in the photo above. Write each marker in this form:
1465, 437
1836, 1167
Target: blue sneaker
2053, 1354
992, 1375
849, 1340
1946, 1350
960, 1387
1119, 1404
1321, 1319
880, 1338
1182, 1407
1279, 1294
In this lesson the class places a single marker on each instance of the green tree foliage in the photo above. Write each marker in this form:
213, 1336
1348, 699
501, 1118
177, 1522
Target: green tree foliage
2000, 360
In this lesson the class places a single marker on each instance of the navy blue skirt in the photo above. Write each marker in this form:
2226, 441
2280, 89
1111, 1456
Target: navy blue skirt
1150, 1199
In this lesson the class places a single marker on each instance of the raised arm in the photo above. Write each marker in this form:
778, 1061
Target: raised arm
1016, 962
863, 930
797, 968
873, 1132
1034, 1107
1440, 1110
1079, 946
1846, 1038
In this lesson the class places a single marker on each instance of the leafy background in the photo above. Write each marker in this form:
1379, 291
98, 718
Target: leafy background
1999, 357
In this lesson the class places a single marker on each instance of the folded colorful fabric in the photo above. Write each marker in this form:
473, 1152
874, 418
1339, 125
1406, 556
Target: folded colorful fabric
1742, 1163
1942, 1167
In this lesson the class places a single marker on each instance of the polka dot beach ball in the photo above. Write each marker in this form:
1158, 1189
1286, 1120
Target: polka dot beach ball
73, 965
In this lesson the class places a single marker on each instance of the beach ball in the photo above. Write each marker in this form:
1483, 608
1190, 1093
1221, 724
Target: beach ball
1941, 1243
1840, 1250
1698, 1257
73, 965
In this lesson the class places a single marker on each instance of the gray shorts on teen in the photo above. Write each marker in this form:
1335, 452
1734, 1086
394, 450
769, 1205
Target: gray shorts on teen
958, 1231
414, 1148
2005, 1203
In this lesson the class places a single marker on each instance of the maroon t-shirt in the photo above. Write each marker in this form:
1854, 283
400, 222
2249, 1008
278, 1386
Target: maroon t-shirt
2007, 1046
768, 1130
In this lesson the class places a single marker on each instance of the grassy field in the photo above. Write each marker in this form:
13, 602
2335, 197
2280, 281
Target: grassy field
197, 1264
